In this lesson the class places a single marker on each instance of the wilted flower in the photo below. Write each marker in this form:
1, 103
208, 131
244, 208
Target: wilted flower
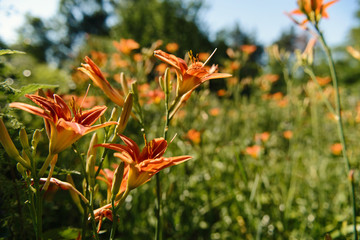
63, 126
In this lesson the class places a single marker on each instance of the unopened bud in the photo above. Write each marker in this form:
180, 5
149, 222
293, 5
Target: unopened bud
125, 114
36, 138
114, 114
24, 139
102, 119
74, 196
9, 146
161, 83
21, 169
118, 176
124, 84
25, 156
91, 149
167, 81
90, 170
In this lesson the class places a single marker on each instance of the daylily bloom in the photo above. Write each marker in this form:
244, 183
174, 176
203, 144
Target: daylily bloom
62, 128
288, 134
190, 76
194, 136
172, 47
314, 10
126, 45
254, 151
248, 49
141, 166
336, 148
94, 72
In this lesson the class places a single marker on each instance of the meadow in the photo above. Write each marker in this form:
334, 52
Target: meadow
143, 142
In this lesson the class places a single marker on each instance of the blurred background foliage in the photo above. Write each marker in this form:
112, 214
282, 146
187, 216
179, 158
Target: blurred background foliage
293, 188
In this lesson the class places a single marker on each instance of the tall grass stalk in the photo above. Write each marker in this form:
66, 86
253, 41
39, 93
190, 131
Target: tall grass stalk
339, 119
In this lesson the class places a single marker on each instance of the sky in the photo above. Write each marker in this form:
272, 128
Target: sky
264, 19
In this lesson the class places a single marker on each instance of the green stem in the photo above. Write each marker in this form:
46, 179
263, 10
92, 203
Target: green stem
339, 121
324, 98
37, 205
85, 206
114, 210
158, 231
46, 164
91, 208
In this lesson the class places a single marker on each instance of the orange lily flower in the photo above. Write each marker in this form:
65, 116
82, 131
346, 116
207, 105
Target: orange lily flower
126, 45
94, 72
191, 76
141, 166
62, 128
314, 10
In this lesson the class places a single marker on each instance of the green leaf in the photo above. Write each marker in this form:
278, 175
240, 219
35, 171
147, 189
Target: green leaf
8, 51
30, 88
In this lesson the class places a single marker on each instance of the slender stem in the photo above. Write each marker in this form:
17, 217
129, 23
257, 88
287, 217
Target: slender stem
158, 231
85, 206
52, 166
114, 223
114, 211
326, 100
91, 208
46, 164
339, 121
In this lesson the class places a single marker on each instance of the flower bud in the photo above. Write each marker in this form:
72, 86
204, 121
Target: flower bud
90, 170
124, 84
36, 138
21, 169
161, 83
167, 81
91, 149
74, 196
114, 114
102, 119
9, 146
125, 114
24, 139
118, 176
